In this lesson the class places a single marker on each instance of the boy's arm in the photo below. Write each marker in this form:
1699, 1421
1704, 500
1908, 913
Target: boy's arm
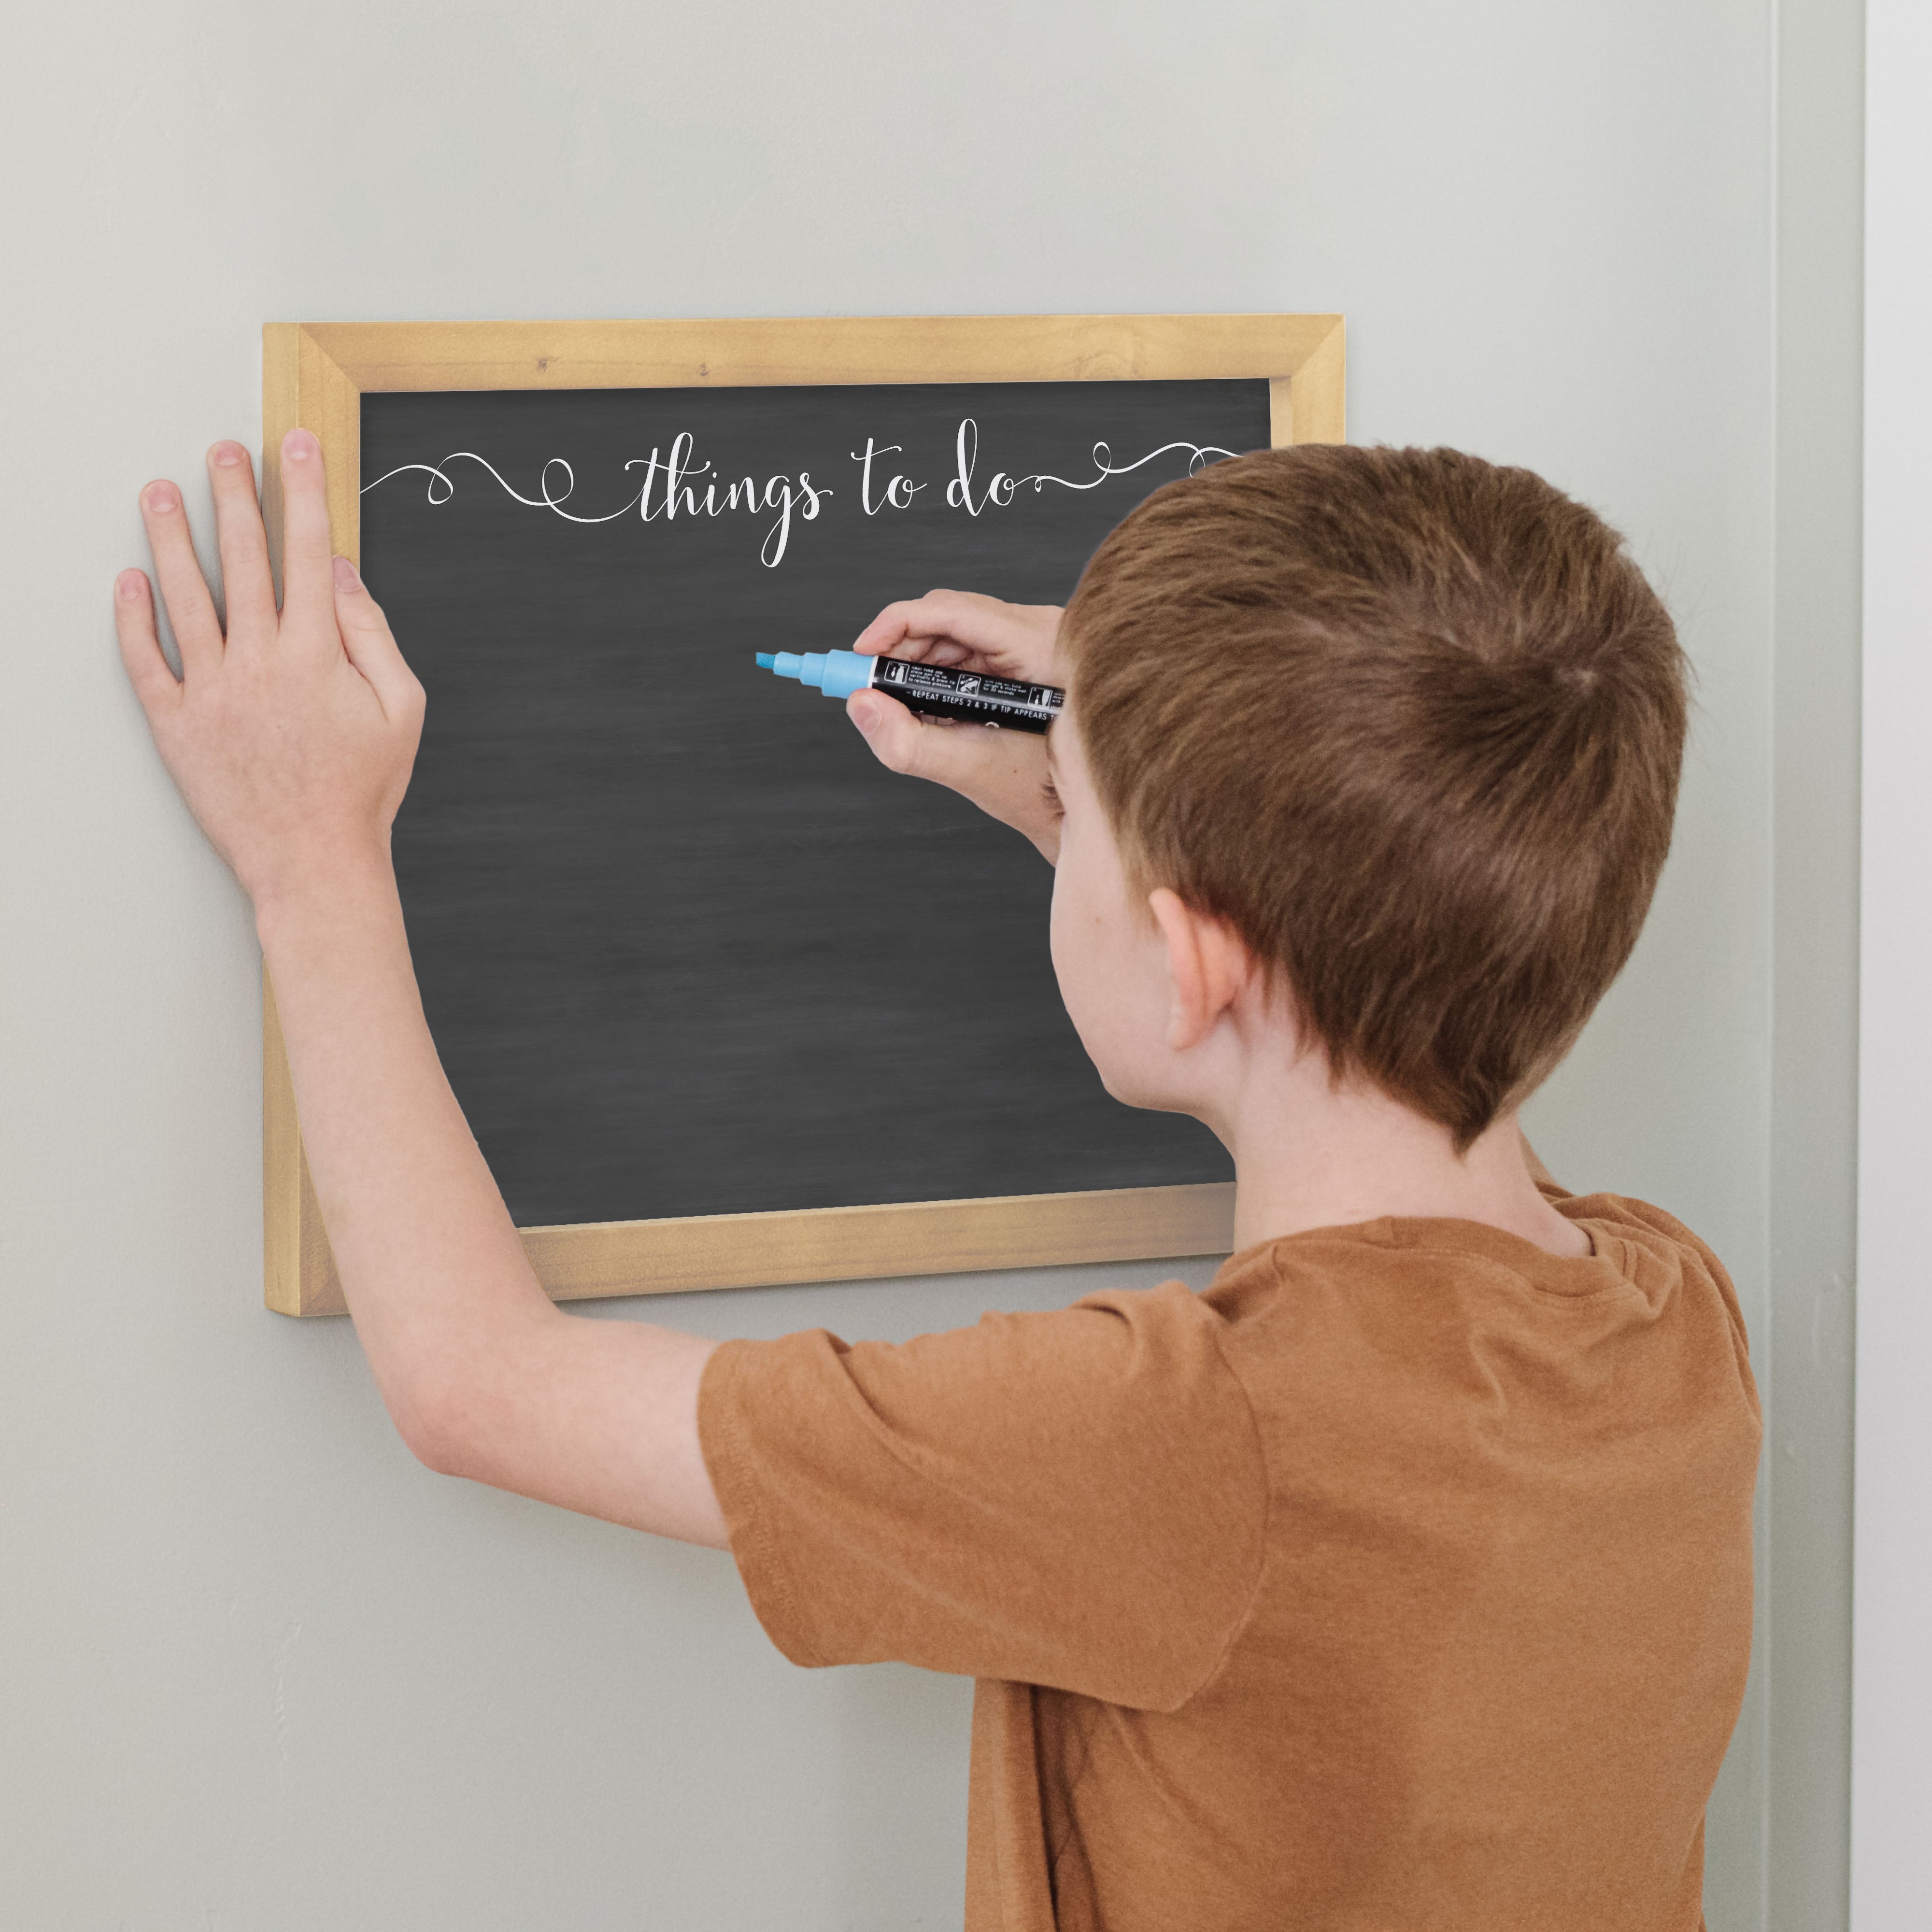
291, 740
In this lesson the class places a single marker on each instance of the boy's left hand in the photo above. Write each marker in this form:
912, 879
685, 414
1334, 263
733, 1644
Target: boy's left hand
291, 735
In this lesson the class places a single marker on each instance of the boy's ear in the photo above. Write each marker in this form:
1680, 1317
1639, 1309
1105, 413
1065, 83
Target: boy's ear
1207, 965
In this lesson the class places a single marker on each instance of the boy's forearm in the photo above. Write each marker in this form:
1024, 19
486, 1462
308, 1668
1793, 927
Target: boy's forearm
485, 1377
430, 1260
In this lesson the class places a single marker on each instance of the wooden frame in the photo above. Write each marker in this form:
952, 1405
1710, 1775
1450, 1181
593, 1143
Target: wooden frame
314, 376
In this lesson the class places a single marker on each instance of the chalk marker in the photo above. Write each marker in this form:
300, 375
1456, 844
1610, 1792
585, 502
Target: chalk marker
939, 691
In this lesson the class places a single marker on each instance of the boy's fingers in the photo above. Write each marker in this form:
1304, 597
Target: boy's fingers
249, 588
950, 626
966, 614
308, 589
154, 684
892, 633
890, 630
370, 644
907, 627
191, 610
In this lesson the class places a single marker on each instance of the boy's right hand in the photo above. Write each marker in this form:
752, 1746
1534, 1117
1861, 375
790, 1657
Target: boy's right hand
1003, 772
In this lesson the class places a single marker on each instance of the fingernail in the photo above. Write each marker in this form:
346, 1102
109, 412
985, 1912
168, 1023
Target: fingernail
346, 577
298, 445
159, 497
863, 715
229, 454
128, 585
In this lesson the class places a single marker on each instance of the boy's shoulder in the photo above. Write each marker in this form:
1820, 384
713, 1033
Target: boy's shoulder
1636, 1248
1391, 1331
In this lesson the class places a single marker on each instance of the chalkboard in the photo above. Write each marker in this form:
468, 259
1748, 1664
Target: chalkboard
724, 1001
685, 948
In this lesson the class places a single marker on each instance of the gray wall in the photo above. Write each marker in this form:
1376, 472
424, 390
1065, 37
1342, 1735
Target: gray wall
262, 1671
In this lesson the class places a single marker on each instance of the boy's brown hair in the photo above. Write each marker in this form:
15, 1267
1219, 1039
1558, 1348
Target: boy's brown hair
1411, 724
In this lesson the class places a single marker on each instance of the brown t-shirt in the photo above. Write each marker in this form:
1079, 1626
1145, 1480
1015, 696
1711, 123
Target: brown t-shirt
1402, 1579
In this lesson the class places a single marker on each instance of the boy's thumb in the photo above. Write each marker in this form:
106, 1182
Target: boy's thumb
890, 728
964, 758
367, 641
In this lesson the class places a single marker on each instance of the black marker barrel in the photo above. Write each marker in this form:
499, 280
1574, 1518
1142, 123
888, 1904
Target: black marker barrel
937, 691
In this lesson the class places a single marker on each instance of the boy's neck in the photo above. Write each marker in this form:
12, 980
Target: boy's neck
1308, 1156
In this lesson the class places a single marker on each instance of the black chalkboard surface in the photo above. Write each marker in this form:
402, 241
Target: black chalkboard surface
686, 948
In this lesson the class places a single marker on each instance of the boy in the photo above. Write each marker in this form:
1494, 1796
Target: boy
1403, 1579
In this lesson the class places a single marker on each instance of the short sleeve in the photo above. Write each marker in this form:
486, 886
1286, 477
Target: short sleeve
1076, 1499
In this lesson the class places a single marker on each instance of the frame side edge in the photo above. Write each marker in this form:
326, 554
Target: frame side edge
301, 388
1318, 391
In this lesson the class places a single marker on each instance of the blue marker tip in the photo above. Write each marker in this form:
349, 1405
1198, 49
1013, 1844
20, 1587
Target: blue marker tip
837, 674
